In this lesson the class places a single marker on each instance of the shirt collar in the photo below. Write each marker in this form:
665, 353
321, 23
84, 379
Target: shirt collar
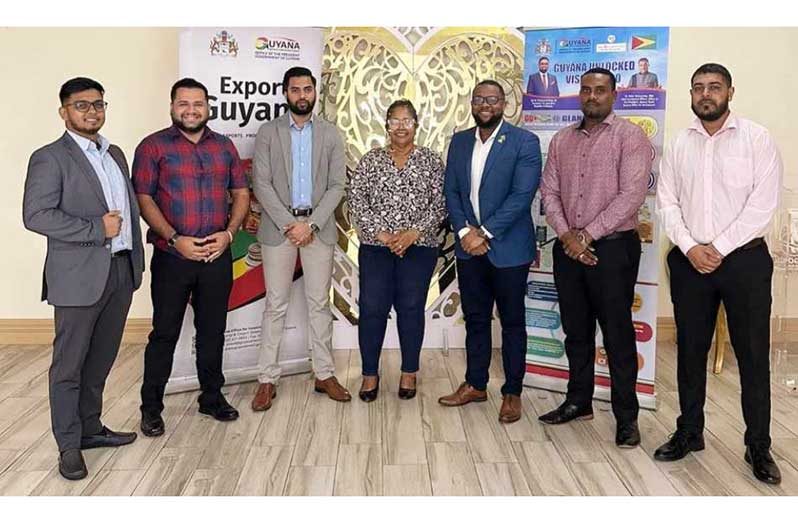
730, 123
609, 120
174, 132
88, 145
492, 136
293, 124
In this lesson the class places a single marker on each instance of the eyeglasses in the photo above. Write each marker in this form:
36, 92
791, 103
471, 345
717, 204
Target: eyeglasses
712, 88
490, 100
407, 123
83, 106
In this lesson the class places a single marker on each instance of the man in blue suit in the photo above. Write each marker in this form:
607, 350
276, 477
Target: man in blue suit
542, 83
492, 173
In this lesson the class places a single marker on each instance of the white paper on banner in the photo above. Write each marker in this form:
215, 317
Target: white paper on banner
243, 69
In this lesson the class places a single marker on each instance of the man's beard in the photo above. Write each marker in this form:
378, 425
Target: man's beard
713, 115
199, 126
302, 112
492, 122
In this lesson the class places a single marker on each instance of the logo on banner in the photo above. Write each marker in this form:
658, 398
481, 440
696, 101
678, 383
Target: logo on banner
543, 46
644, 42
574, 45
224, 44
277, 48
611, 46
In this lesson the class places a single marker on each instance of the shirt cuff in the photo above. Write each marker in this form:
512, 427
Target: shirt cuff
686, 243
487, 232
462, 232
594, 231
723, 246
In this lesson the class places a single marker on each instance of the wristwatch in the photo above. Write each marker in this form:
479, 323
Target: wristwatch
313, 227
172, 239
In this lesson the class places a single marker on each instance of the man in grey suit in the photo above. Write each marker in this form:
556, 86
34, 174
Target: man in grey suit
299, 178
78, 194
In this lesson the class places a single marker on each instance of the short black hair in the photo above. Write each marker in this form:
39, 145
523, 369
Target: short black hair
494, 83
77, 85
407, 104
187, 83
543, 58
644, 59
601, 70
713, 68
295, 72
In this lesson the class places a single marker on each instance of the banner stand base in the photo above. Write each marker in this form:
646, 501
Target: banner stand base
647, 401
233, 376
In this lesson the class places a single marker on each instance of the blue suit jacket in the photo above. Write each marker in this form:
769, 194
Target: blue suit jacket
535, 86
509, 181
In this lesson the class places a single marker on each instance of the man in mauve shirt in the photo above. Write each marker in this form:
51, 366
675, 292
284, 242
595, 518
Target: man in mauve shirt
594, 183
717, 193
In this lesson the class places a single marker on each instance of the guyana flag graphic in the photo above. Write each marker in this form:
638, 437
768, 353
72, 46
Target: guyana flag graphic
644, 42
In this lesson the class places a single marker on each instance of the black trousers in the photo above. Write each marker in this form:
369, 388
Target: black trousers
174, 282
742, 283
482, 284
85, 348
604, 293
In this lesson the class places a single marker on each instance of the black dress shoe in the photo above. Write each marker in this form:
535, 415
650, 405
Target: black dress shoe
221, 411
71, 464
152, 425
407, 394
680, 444
370, 395
567, 412
765, 469
627, 435
107, 438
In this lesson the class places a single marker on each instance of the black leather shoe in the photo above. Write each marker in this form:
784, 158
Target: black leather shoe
680, 444
71, 464
565, 413
765, 469
107, 438
627, 435
407, 394
152, 425
221, 411
370, 395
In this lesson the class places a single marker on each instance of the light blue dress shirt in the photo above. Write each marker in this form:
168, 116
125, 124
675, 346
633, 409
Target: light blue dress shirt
302, 157
113, 183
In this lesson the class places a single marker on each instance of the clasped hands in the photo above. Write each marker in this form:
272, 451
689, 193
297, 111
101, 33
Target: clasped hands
205, 249
576, 244
704, 258
399, 242
299, 233
475, 242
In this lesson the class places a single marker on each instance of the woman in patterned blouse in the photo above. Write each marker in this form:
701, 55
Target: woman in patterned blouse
396, 204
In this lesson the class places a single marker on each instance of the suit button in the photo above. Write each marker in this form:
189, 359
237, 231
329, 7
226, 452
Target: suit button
107, 246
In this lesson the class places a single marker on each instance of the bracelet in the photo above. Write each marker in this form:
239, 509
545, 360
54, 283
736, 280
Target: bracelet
230, 234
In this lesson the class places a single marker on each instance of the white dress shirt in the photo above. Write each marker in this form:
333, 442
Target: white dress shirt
721, 189
478, 158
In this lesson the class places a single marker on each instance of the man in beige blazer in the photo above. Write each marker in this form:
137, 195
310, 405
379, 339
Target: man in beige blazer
299, 179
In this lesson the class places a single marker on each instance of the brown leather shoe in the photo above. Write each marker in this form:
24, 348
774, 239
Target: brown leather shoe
511, 409
263, 397
465, 393
332, 388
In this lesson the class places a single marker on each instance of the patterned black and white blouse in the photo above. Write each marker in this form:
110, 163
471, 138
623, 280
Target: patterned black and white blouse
383, 197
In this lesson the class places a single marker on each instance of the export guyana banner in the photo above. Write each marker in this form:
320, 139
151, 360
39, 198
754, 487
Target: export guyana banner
243, 71
554, 62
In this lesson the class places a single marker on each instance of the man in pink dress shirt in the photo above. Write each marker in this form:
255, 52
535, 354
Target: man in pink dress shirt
594, 183
718, 189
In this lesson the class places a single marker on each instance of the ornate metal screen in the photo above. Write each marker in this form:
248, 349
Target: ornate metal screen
364, 70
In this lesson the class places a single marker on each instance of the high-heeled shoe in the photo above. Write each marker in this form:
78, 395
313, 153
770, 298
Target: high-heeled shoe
370, 395
407, 394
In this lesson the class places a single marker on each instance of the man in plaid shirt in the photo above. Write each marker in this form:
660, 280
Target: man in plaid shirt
182, 176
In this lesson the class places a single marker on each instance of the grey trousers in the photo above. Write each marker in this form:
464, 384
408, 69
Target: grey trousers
85, 347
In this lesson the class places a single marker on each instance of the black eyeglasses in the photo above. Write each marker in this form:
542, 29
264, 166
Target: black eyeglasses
83, 106
490, 100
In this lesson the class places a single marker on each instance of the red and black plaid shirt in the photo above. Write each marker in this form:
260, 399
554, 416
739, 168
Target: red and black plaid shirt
189, 182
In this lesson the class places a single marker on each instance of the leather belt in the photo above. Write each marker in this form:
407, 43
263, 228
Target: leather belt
619, 235
756, 242
302, 212
121, 254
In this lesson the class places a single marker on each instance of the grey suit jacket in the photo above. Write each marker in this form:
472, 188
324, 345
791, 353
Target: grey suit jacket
273, 175
64, 201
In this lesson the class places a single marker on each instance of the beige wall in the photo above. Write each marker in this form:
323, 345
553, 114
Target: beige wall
137, 67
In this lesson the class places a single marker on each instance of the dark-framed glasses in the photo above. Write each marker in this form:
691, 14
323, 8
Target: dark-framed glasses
490, 100
82, 106
699, 89
407, 123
